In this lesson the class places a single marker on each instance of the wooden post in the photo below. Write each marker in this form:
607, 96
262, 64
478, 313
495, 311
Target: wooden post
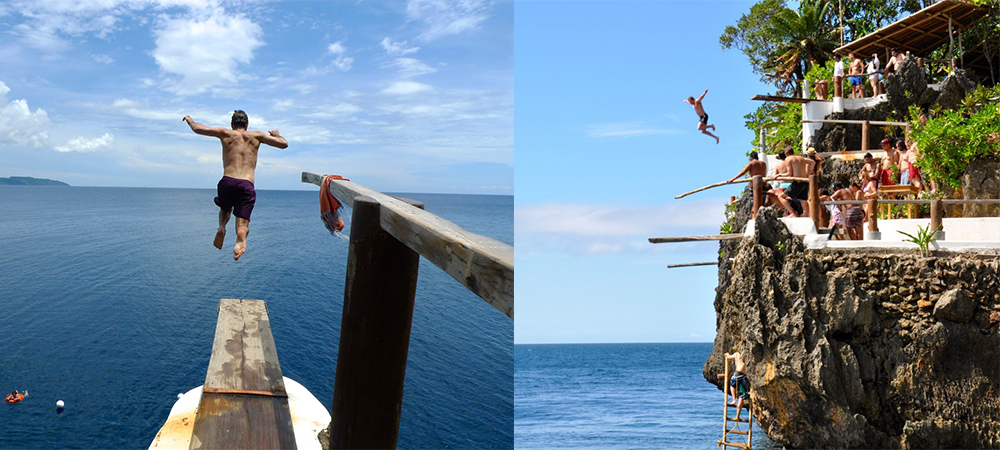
937, 208
758, 194
864, 136
873, 215
814, 199
374, 334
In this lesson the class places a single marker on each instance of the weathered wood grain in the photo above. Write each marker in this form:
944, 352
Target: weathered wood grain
483, 265
244, 403
710, 237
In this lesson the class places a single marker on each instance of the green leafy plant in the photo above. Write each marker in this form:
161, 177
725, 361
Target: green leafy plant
780, 245
727, 226
953, 139
923, 238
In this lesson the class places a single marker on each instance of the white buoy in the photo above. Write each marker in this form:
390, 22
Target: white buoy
60, 404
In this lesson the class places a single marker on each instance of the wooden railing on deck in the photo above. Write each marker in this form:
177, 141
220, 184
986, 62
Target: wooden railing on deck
388, 236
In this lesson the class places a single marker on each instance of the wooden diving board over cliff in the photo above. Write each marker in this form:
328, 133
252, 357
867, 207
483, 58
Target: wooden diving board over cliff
244, 404
483, 265
710, 237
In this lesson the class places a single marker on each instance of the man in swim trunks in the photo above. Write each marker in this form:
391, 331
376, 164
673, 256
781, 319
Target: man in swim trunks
857, 84
739, 387
891, 159
703, 125
239, 159
798, 167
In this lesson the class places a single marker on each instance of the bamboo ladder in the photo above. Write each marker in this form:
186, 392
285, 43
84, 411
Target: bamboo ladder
726, 431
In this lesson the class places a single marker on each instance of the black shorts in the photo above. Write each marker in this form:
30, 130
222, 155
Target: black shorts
798, 190
703, 119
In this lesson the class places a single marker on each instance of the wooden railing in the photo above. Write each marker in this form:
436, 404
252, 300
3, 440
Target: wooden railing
387, 237
865, 126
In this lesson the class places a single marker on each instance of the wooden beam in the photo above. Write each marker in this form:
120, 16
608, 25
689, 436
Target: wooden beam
710, 263
374, 334
710, 237
483, 265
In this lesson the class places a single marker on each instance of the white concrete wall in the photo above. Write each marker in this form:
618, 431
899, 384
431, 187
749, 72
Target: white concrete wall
965, 229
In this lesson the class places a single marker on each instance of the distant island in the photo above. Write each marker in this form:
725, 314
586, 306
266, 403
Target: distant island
29, 181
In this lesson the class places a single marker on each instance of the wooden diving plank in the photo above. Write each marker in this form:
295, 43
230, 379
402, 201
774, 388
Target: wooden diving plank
483, 265
710, 237
709, 263
244, 404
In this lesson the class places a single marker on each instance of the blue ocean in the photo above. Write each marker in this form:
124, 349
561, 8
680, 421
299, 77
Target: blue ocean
618, 396
109, 297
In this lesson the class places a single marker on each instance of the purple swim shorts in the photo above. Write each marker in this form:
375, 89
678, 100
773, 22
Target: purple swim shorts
237, 194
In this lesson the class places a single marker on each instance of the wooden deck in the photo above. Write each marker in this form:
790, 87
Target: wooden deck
244, 404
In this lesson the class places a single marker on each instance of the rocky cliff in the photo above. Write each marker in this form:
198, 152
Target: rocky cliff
850, 349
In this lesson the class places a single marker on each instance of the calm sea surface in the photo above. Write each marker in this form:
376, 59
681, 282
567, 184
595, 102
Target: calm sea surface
617, 396
109, 297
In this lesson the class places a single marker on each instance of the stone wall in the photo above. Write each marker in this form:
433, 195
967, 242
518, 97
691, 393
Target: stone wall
849, 349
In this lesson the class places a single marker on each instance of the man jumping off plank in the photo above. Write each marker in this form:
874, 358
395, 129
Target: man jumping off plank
703, 125
239, 159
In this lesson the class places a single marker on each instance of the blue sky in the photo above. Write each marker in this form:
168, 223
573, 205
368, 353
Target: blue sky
603, 143
400, 96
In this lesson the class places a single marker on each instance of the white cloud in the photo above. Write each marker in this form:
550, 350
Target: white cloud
626, 129
206, 53
397, 48
405, 88
83, 145
18, 125
444, 17
603, 229
342, 62
409, 67
103, 59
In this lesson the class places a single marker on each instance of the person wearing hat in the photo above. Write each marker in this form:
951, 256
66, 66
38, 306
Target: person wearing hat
811, 154
891, 159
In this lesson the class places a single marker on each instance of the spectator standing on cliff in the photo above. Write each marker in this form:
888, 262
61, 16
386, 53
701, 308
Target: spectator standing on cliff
854, 72
739, 387
798, 167
757, 167
873, 75
855, 215
913, 172
811, 154
886, 177
870, 169
838, 76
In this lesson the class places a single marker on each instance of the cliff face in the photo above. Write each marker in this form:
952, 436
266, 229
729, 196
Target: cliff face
850, 349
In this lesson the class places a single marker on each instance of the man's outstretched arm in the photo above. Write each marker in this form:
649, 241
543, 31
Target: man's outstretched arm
205, 130
274, 139
702, 96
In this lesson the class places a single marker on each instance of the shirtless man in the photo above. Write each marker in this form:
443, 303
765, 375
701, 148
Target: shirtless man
703, 125
857, 83
885, 177
894, 61
738, 382
239, 159
798, 167
758, 168
870, 169
904, 163
910, 156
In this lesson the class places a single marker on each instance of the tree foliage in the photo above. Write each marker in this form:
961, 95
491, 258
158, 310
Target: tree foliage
953, 139
806, 38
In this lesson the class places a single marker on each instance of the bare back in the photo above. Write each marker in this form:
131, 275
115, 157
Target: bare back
239, 147
798, 166
738, 359
239, 153
757, 168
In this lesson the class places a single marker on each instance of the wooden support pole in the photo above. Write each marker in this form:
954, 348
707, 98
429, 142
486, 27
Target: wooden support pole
873, 215
864, 135
374, 334
758, 195
814, 199
937, 209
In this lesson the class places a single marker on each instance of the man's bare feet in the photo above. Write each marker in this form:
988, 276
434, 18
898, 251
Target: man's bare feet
239, 250
716, 140
220, 236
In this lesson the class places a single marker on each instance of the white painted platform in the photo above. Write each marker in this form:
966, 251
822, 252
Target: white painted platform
972, 234
309, 417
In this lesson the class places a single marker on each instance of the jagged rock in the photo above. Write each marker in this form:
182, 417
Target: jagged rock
831, 367
981, 180
955, 306
905, 86
838, 137
954, 88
